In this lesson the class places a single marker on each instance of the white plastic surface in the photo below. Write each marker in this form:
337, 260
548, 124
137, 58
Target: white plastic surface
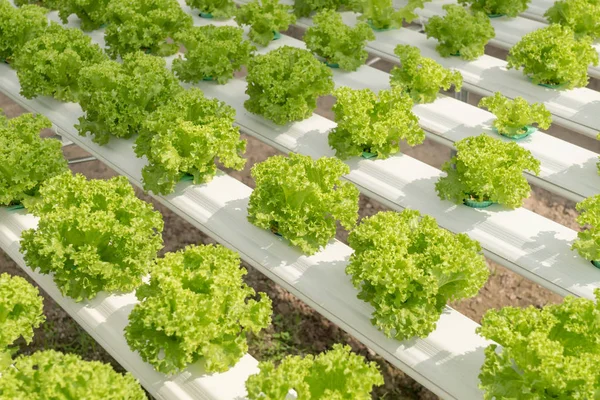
447, 362
576, 109
105, 317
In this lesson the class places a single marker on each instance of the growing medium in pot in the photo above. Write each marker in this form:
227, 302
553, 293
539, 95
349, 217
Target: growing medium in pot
487, 169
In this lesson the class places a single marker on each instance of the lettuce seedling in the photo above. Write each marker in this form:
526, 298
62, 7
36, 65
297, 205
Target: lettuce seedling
265, 17
408, 268
487, 169
118, 97
196, 307
548, 353
335, 374
284, 84
514, 116
337, 42
373, 123
212, 52
552, 56
186, 136
421, 77
26, 160
144, 25
49, 65
300, 199
510, 8
582, 16
92, 235
213, 8
588, 239
53, 375
91, 13
460, 32
18, 26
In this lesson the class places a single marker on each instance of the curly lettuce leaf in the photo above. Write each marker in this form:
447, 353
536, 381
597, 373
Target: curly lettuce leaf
381, 14
302, 198
21, 310
303, 8
18, 26
48, 4
186, 136
49, 64
486, 168
217, 8
460, 32
373, 123
513, 115
196, 307
582, 16
212, 52
26, 160
337, 42
408, 268
284, 84
264, 17
53, 375
92, 236
588, 239
118, 97
511, 8
421, 77
144, 25
91, 13
553, 56
335, 374
548, 353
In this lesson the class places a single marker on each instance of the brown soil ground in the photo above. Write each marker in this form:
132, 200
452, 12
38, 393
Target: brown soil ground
297, 329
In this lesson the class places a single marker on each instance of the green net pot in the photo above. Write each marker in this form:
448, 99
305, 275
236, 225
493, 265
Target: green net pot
206, 15
596, 263
477, 204
517, 134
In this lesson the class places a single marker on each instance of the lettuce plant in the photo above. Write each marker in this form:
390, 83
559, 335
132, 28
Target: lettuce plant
18, 26
552, 56
460, 32
382, 15
373, 123
303, 8
265, 17
487, 169
335, 374
582, 16
185, 137
408, 268
213, 8
301, 199
48, 4
144, 25
92, 235
588, 239
26, 160
212, 52
21, 310
53, 375
49, 64
118, 97
514, 116
548, 353
337, 42
91, 13
284, 84
196, 307
421, 77
511, 8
